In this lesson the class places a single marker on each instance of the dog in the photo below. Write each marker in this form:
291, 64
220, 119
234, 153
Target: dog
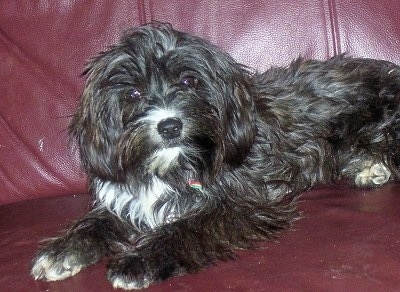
191, 155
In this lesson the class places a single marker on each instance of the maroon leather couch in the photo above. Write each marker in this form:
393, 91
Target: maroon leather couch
348, 240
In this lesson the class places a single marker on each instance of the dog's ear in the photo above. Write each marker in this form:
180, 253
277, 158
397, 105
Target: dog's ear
239, 116
96, 123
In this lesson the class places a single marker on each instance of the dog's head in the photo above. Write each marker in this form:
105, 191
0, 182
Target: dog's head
164, 103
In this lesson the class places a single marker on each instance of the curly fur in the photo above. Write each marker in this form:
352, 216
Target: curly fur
163, 108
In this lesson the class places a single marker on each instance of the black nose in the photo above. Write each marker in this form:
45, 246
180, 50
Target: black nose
170, 128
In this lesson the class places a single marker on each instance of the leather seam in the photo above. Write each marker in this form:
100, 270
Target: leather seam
334, 24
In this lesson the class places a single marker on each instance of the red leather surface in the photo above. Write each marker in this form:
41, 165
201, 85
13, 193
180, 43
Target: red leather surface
347, 241
44, 46
368, 28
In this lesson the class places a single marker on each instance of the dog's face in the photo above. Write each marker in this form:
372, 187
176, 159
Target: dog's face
164, 103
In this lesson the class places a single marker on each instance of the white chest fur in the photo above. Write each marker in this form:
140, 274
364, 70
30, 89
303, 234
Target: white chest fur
138, 207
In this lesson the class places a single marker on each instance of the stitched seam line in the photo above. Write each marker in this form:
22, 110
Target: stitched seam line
141, 11
145, 11
334, 23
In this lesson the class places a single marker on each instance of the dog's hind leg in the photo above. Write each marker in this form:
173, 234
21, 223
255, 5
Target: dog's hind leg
365, 171
373, 174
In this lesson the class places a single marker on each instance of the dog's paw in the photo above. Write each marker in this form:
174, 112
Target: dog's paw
123, 282
129, 272
50, 267
135, 272
374, 174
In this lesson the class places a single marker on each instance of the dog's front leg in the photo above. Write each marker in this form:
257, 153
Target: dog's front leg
173, 249
84, 243
196, 241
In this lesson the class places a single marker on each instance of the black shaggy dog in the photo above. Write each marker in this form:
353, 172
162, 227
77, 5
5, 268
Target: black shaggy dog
190, 155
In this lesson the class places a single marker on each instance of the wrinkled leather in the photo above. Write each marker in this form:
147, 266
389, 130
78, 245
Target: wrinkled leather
348, 240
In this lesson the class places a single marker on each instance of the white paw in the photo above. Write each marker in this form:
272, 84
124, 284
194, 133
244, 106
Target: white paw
123, 283
380, 173
48, 269
373, 175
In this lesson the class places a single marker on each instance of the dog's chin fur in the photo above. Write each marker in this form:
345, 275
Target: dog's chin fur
191, 155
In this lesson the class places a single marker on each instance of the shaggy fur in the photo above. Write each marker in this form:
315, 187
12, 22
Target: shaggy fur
191, 155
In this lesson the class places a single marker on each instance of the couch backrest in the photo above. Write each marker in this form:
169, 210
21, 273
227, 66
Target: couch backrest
45, 44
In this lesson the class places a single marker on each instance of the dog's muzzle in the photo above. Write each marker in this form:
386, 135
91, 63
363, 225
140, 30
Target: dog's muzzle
170, 128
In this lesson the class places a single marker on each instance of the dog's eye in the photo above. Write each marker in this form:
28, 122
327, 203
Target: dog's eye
190, 81
133, 95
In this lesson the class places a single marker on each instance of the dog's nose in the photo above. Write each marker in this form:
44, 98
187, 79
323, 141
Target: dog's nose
170, 128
